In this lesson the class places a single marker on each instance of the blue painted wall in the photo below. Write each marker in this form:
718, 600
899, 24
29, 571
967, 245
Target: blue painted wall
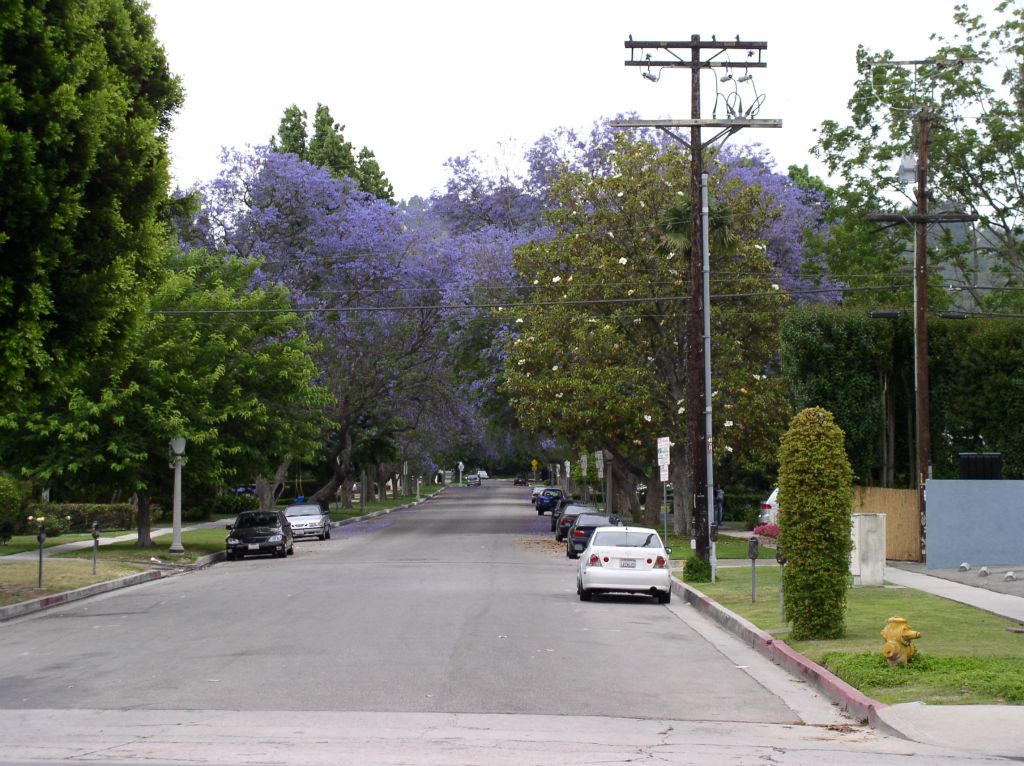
980, 522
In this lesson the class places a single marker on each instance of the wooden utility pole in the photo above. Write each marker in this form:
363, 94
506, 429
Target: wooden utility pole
922, 395
697, 364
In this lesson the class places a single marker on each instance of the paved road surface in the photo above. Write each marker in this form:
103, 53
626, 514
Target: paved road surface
449, 633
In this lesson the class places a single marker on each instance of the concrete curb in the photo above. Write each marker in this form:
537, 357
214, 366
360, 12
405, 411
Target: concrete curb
851, 700
386, 511
56, 599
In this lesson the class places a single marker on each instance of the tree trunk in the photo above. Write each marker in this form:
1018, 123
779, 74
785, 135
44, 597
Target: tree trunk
144, 519
652, 502
269, 491
346, 495
682, 495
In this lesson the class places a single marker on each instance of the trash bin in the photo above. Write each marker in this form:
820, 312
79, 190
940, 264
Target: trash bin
981, 465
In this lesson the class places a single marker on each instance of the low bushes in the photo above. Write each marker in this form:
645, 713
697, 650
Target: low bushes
109, 515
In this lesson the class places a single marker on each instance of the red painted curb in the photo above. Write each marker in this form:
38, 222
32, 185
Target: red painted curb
853, 701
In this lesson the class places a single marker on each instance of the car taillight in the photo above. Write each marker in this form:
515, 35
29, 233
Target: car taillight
579, 533
766, 506
659, 563
595, 560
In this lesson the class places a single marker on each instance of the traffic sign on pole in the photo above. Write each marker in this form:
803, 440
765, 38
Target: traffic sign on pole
664, 450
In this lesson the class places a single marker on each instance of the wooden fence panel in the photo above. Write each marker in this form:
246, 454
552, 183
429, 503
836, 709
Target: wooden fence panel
902, 519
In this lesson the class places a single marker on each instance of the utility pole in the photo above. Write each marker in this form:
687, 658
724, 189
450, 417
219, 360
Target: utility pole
922, 395
712, 55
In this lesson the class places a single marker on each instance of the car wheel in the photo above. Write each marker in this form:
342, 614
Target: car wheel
327, 532
585, 595
291, 550
540, 512
229, 556
568, 553
666, 597
322, 536
553, 524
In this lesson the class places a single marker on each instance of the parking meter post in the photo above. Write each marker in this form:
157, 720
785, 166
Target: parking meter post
41, 537
752, 551
95, 544
781, 558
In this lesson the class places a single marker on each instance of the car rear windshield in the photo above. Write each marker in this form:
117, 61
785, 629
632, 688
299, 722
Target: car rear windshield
257, 520
302, 510
627, 538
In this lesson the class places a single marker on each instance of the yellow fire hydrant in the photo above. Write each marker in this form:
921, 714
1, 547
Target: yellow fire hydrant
897, 648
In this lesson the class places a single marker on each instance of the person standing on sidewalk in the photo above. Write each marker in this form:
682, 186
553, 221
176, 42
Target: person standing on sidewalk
719, 504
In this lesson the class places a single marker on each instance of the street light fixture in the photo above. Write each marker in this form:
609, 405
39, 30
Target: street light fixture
177, 446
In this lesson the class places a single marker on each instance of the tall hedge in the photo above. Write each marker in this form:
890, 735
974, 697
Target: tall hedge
815, 500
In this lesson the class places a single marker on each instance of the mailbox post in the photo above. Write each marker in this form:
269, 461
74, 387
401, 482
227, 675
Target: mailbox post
753, 547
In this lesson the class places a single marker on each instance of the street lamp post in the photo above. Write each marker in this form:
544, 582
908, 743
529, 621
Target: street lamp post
178, 450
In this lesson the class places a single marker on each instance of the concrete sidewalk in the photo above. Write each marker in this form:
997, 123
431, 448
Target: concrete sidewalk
991, 730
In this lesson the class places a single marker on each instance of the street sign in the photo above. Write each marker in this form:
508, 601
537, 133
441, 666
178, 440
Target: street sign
567, 469
599, 461
664, 471
534, 464
664, 449
461, 466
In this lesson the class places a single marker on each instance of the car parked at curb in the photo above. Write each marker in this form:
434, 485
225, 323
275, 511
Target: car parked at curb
567, 516
625, 560
309, 520
520, 481
259, 532
770, 508
482, 474
550, 501
473, 480
581, 530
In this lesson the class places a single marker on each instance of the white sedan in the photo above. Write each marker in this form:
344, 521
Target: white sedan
625, 560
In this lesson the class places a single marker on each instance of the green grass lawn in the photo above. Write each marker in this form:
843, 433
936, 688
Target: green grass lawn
19, 581
196, 542
965, 655
726, 548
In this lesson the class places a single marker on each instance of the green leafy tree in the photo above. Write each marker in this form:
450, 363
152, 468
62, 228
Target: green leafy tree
598, 359
327, 148
861, 370
976, 129
238, 387
86, 100
815, 501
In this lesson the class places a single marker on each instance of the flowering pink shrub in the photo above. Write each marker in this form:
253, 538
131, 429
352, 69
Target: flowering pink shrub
767, 530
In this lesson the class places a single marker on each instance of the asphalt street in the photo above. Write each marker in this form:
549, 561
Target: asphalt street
446, 633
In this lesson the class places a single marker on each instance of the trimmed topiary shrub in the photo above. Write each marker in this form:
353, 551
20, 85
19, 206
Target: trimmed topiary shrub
815, 501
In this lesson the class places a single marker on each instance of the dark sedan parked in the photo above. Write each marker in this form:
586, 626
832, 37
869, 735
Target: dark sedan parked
550, 500
568, 516
256, 532
581, 530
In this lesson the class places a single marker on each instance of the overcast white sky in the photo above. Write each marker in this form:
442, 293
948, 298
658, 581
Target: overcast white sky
419, 82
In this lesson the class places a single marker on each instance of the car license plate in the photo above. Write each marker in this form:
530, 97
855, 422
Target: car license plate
628, 564
254, 546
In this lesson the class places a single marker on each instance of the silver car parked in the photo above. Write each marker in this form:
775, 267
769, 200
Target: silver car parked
309, 520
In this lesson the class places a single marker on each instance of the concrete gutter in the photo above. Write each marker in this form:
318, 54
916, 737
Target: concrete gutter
857, 704
56, 599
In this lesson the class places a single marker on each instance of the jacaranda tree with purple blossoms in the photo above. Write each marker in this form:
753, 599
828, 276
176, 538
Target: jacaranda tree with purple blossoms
368, 286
